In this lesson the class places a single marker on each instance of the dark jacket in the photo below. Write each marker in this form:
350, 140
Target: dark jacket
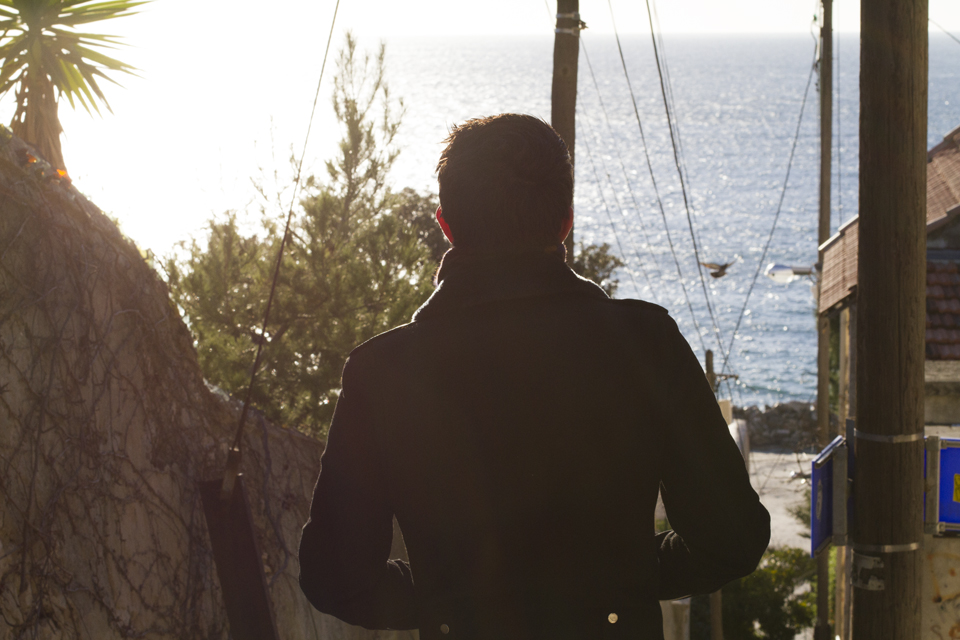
519, 429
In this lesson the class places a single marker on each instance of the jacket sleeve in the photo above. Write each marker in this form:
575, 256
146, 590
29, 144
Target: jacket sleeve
345, 568
720, 529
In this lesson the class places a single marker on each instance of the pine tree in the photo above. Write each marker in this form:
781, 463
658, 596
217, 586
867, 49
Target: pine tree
359, 261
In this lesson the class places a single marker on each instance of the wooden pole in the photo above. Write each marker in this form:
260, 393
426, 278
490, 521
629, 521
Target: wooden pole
888, 480
716, 615
716, 598
847, 603
844, 555
563, 97
826, 119
822, 629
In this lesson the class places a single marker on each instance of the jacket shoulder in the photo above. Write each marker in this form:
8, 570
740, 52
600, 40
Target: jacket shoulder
383, 340
641, 306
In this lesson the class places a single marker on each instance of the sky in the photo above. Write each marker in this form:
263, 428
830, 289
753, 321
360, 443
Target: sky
225, 88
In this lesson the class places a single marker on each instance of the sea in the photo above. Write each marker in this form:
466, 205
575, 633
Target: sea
736, 104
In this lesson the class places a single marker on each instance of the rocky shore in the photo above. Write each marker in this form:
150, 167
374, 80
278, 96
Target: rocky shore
789, 426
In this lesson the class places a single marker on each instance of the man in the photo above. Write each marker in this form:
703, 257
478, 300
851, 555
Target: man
519, 429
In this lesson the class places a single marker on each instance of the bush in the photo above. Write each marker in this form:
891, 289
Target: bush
775, 602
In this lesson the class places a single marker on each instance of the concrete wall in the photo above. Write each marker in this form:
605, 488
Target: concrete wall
107, 426
942, 392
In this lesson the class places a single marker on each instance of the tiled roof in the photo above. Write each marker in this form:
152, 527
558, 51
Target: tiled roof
943, 311
943, 176
943, 194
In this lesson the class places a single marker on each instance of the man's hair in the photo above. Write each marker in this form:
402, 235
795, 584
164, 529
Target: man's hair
506, 181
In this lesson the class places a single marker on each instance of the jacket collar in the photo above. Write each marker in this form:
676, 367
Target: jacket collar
468, 280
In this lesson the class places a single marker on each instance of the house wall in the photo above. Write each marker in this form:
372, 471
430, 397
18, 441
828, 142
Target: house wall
942, 392
941, 409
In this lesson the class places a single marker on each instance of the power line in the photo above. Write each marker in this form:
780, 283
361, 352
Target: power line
944, 30
839, 143
666, 82
676, 159
613, 227
623, 167
776, 217
613, 189
286, 233
616, 201
653, 180
673, 103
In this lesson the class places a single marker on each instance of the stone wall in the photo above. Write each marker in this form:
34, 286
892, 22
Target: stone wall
106, 426
791, 426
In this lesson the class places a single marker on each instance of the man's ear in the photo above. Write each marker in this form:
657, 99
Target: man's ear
567, 225
446, 228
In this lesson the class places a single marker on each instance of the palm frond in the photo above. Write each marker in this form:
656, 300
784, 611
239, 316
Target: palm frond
43, 52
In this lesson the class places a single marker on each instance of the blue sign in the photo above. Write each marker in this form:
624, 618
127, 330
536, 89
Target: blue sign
950, 481
821, 506
829, 473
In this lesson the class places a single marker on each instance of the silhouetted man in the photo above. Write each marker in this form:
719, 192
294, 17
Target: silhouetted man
519, 428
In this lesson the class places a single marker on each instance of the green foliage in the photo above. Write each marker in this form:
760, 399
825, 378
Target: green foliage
775, 602
45, 56
417, 212
834, 363
595, 262
769, 603
359, 261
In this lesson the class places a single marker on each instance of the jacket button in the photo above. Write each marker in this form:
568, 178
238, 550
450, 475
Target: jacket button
444, 629
613, 618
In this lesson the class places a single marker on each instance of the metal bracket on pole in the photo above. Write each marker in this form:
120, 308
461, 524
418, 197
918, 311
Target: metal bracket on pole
570, 31
931, 511
865, 572
888, 439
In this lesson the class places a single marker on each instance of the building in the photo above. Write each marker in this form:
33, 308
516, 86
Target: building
838, 297
839, 288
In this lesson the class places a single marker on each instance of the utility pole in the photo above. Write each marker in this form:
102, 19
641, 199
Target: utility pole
563, 96
846, 408
888, 475
716, 598
822, 629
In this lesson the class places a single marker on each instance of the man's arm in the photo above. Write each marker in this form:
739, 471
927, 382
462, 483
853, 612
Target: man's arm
720, 529
344, 550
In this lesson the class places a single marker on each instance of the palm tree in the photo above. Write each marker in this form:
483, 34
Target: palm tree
44, 57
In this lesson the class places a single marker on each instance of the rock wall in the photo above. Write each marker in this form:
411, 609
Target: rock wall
106, 426
791, 425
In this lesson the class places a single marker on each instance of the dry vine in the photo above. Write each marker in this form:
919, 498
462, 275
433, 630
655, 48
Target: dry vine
106, 425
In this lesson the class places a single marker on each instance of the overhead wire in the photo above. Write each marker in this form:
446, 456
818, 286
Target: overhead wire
673, 107
682, 168
656, 191
944, 30
839, 141
680, 173
237, 441
683, 161
623, 168
606, 207
613, 189
776, 218
669, 84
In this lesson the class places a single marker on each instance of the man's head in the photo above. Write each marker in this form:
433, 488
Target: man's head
506, 182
